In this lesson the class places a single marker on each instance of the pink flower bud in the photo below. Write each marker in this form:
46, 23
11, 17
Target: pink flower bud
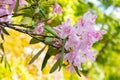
57, 9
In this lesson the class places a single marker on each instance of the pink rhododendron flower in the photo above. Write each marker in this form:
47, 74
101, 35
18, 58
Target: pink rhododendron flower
57, 9
21, 2
88, 19
8, 10
7, 1
57, 43
80, 38
64, 29
72, 42
12, 5
39, 28
4, 11
90, 54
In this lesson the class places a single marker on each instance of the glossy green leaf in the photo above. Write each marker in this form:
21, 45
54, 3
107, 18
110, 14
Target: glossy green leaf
4, 31
48, 40
6, 64
1, 59
50, 30
2, 47
52, 51
47, 56
62, 54
2, 36
34, 41
77, 70
55, 66
37, 55
42, 12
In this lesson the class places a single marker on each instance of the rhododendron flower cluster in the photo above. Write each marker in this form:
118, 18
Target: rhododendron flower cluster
80, 38
73, 41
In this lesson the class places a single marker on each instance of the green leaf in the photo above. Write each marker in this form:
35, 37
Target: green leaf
55, 66
1, 59
6, 64
42, 13
9, 66
48, 40
50, 30
52, 51
16, 6
77, 70
4, 31
47, 56
2, 36
34, 41
37, 55
62, 54
2, 47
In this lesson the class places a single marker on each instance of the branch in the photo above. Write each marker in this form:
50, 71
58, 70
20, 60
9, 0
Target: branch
30, 33
9, 25
4, 15
22, 30
23, 25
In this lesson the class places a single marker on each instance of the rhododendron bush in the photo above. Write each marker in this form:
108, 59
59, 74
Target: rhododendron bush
68, 42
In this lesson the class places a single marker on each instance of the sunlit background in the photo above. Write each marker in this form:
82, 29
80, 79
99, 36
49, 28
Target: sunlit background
18, 51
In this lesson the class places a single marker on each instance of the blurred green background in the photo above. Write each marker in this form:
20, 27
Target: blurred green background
107, 64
